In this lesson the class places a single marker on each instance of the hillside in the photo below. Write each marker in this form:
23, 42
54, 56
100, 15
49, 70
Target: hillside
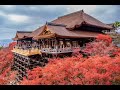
6, 60
101, 66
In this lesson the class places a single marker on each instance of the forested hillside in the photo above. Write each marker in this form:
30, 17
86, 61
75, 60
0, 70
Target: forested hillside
99, 65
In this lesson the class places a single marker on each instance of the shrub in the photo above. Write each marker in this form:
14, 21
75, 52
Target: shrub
101, 46
76, 70
6, 59
1, 47
98, 69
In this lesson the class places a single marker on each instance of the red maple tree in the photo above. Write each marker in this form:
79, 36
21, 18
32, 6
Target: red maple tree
98, 69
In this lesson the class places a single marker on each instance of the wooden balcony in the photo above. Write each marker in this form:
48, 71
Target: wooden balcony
34, 51
60, 50
27, 52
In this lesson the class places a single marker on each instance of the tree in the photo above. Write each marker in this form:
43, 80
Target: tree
1, 47
101, 46
97, 69
6, 59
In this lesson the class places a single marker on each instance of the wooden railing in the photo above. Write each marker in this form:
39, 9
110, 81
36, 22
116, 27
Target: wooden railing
33, 51
60, 50
26, 52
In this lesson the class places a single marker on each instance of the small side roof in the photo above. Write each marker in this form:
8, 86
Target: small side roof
21, 34
37, 31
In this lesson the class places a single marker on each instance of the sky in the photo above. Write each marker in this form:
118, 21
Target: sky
29, 17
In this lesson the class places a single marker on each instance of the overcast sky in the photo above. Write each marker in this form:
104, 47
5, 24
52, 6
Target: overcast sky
30, 17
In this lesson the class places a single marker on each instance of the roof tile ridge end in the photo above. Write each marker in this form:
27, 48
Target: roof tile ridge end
83, 20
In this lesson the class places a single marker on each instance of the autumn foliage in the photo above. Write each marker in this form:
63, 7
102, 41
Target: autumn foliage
101, 46
76, 70
105, 38
6, 59
101, 67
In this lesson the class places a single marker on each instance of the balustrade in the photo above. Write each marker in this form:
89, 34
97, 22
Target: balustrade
26, 50
47, 46
60, 46
60, 50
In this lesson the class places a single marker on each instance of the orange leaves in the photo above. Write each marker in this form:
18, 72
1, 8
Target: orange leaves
6, 58
11, 45
98, 68
105, 38
76, 70
3, 81
101, 46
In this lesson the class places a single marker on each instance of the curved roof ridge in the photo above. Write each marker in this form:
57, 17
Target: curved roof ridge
54, 24
79, 17
72, 20
24, 31
71, 13
37, 31
94, 21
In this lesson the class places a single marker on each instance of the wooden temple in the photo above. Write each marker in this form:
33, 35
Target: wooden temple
63, 36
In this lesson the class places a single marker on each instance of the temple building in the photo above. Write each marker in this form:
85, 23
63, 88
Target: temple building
63, 36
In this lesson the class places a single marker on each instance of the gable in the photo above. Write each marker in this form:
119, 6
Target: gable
46, 31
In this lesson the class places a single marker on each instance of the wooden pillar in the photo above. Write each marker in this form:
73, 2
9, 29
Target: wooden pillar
39, 44
64, 42
17, 42
51, 43
43, 43
56, 43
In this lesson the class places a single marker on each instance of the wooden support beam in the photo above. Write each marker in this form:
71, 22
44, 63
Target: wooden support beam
21, 66
24, 73
17, 79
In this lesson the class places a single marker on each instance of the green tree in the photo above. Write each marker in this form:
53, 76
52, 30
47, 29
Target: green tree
1, 47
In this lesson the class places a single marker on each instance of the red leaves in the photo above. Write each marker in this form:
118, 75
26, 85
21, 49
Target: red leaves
33, 74
70, 71
105, 38
3, 81
76, 70
98, 68
101, 46
6, 59
11, 45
